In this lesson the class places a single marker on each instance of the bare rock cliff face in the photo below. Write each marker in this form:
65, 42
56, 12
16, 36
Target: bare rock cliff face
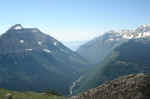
134, 86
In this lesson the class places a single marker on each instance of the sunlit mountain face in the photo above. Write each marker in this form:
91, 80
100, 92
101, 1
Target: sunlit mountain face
96, 49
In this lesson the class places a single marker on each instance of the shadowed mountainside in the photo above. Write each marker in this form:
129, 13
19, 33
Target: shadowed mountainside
32, 60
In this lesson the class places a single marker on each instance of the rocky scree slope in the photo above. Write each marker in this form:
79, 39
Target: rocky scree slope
133, 86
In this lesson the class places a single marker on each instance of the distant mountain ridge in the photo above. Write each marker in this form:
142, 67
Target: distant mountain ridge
32, 60
96, 49
130, 57
74, 45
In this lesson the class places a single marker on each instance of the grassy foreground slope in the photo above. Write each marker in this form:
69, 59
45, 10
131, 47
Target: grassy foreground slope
28, 95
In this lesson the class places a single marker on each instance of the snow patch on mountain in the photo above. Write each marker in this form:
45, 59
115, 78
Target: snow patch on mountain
21, 41
55, 43
142, 31
144, 25
146, 34
28, 49
18, 28
47, 50
127, 36
39, 42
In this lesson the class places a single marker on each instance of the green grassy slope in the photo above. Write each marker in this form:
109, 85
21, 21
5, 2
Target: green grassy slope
28, 95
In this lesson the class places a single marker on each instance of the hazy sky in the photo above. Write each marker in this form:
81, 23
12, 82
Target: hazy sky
74, 19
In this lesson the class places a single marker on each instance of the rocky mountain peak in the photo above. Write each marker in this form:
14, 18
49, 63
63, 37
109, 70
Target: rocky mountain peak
144, 25
143, 28
20, 39
16, 27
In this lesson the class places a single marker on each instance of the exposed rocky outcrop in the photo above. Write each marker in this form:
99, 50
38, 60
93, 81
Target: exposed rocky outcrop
134, 86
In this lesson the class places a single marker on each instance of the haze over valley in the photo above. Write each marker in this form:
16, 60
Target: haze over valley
74, 49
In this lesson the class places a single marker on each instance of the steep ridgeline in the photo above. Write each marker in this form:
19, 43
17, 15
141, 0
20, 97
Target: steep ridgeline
96, 50
128, 58
126, 87
32, 60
